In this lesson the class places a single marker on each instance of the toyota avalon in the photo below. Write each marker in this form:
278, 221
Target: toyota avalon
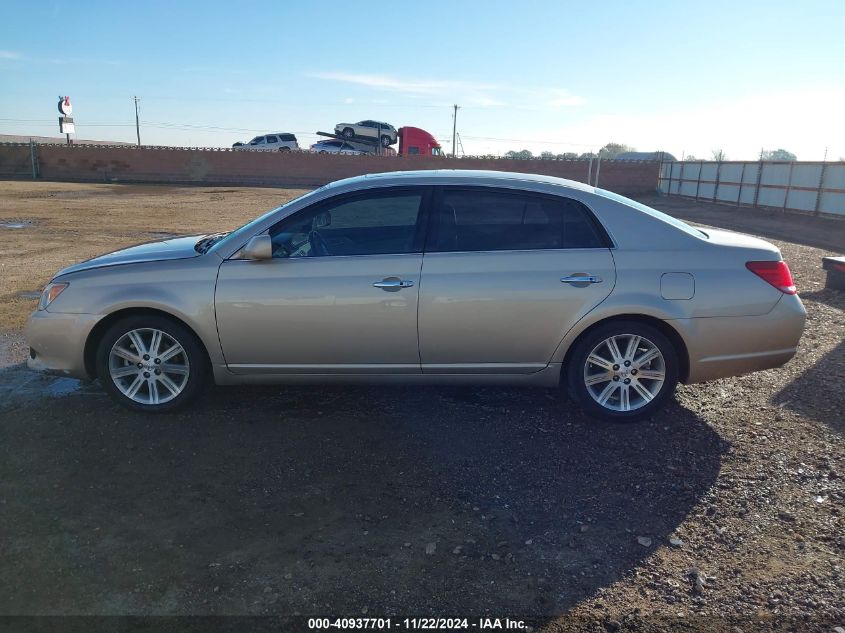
487, 278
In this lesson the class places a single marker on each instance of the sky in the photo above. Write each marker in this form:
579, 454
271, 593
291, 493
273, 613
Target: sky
677, 76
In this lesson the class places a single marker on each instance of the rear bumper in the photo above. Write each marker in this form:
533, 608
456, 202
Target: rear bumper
719, 347
58, 342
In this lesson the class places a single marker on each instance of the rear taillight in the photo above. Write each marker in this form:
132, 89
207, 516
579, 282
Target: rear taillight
774, 273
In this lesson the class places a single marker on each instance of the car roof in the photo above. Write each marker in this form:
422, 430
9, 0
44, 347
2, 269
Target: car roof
464, 176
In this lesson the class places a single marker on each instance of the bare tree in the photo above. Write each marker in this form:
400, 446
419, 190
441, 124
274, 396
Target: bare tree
719, 155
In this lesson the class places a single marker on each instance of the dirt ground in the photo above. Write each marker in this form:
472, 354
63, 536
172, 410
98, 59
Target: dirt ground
725, 510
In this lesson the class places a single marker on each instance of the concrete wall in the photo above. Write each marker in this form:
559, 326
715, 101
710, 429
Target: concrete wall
295, 169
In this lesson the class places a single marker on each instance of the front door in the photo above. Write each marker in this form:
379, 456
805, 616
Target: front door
506, 274
340, 294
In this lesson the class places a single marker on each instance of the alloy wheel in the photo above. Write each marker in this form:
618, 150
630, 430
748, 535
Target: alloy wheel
624, 372
149, 366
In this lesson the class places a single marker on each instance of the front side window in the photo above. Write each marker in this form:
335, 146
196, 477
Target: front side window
375, 223
258, 140
496, 220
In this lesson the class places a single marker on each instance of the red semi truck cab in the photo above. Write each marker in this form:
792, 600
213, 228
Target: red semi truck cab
416, 142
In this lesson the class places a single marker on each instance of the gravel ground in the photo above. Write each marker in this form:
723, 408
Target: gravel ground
725, 510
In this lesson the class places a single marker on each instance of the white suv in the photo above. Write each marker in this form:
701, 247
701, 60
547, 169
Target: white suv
276, 142
377, 130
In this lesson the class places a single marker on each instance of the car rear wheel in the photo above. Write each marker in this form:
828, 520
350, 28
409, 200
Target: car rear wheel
284, 149
622, 371
151, 364
348, 132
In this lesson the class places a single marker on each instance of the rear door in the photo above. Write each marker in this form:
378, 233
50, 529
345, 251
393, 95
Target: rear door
505, 275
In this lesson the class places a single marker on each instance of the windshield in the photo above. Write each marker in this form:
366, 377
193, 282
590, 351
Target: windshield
678, 224
247, 229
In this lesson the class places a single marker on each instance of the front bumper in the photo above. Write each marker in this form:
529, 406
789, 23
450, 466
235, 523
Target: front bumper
719, 347
57, 342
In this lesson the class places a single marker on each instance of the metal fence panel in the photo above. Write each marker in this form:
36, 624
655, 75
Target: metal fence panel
810, 187
750, 175
769, 196
801, 199
775, 174
727, 192
832, 202
834, 176
806, 175
730, 172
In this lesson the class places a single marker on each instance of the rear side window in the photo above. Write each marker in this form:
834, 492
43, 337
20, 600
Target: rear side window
497, 220
287, 138
272, 139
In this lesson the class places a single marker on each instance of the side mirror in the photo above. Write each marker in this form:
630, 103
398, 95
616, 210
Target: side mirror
259, 247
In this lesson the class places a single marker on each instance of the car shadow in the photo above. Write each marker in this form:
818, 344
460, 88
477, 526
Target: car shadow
811, 393
338, 500
828, 296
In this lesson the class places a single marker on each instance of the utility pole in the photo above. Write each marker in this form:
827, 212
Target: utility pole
137, 124
455, 131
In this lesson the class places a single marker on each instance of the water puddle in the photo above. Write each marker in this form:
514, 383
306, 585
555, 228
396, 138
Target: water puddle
16, 224
62, 387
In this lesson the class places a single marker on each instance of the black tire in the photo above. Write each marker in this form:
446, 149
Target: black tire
348, 132
577, 370
385, 141
197, 376
284, 149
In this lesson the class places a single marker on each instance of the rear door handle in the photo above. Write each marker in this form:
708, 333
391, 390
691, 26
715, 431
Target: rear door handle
581, 279
393, 283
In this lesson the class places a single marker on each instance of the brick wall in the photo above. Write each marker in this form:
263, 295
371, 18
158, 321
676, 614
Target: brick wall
15, 161
209, 167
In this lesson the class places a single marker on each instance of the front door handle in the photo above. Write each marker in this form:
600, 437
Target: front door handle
393, 283
581, 279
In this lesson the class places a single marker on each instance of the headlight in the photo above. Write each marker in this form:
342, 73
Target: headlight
51, 291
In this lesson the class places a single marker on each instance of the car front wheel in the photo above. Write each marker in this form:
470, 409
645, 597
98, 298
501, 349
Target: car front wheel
348, 132
623, 371
151, 364
385, 141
